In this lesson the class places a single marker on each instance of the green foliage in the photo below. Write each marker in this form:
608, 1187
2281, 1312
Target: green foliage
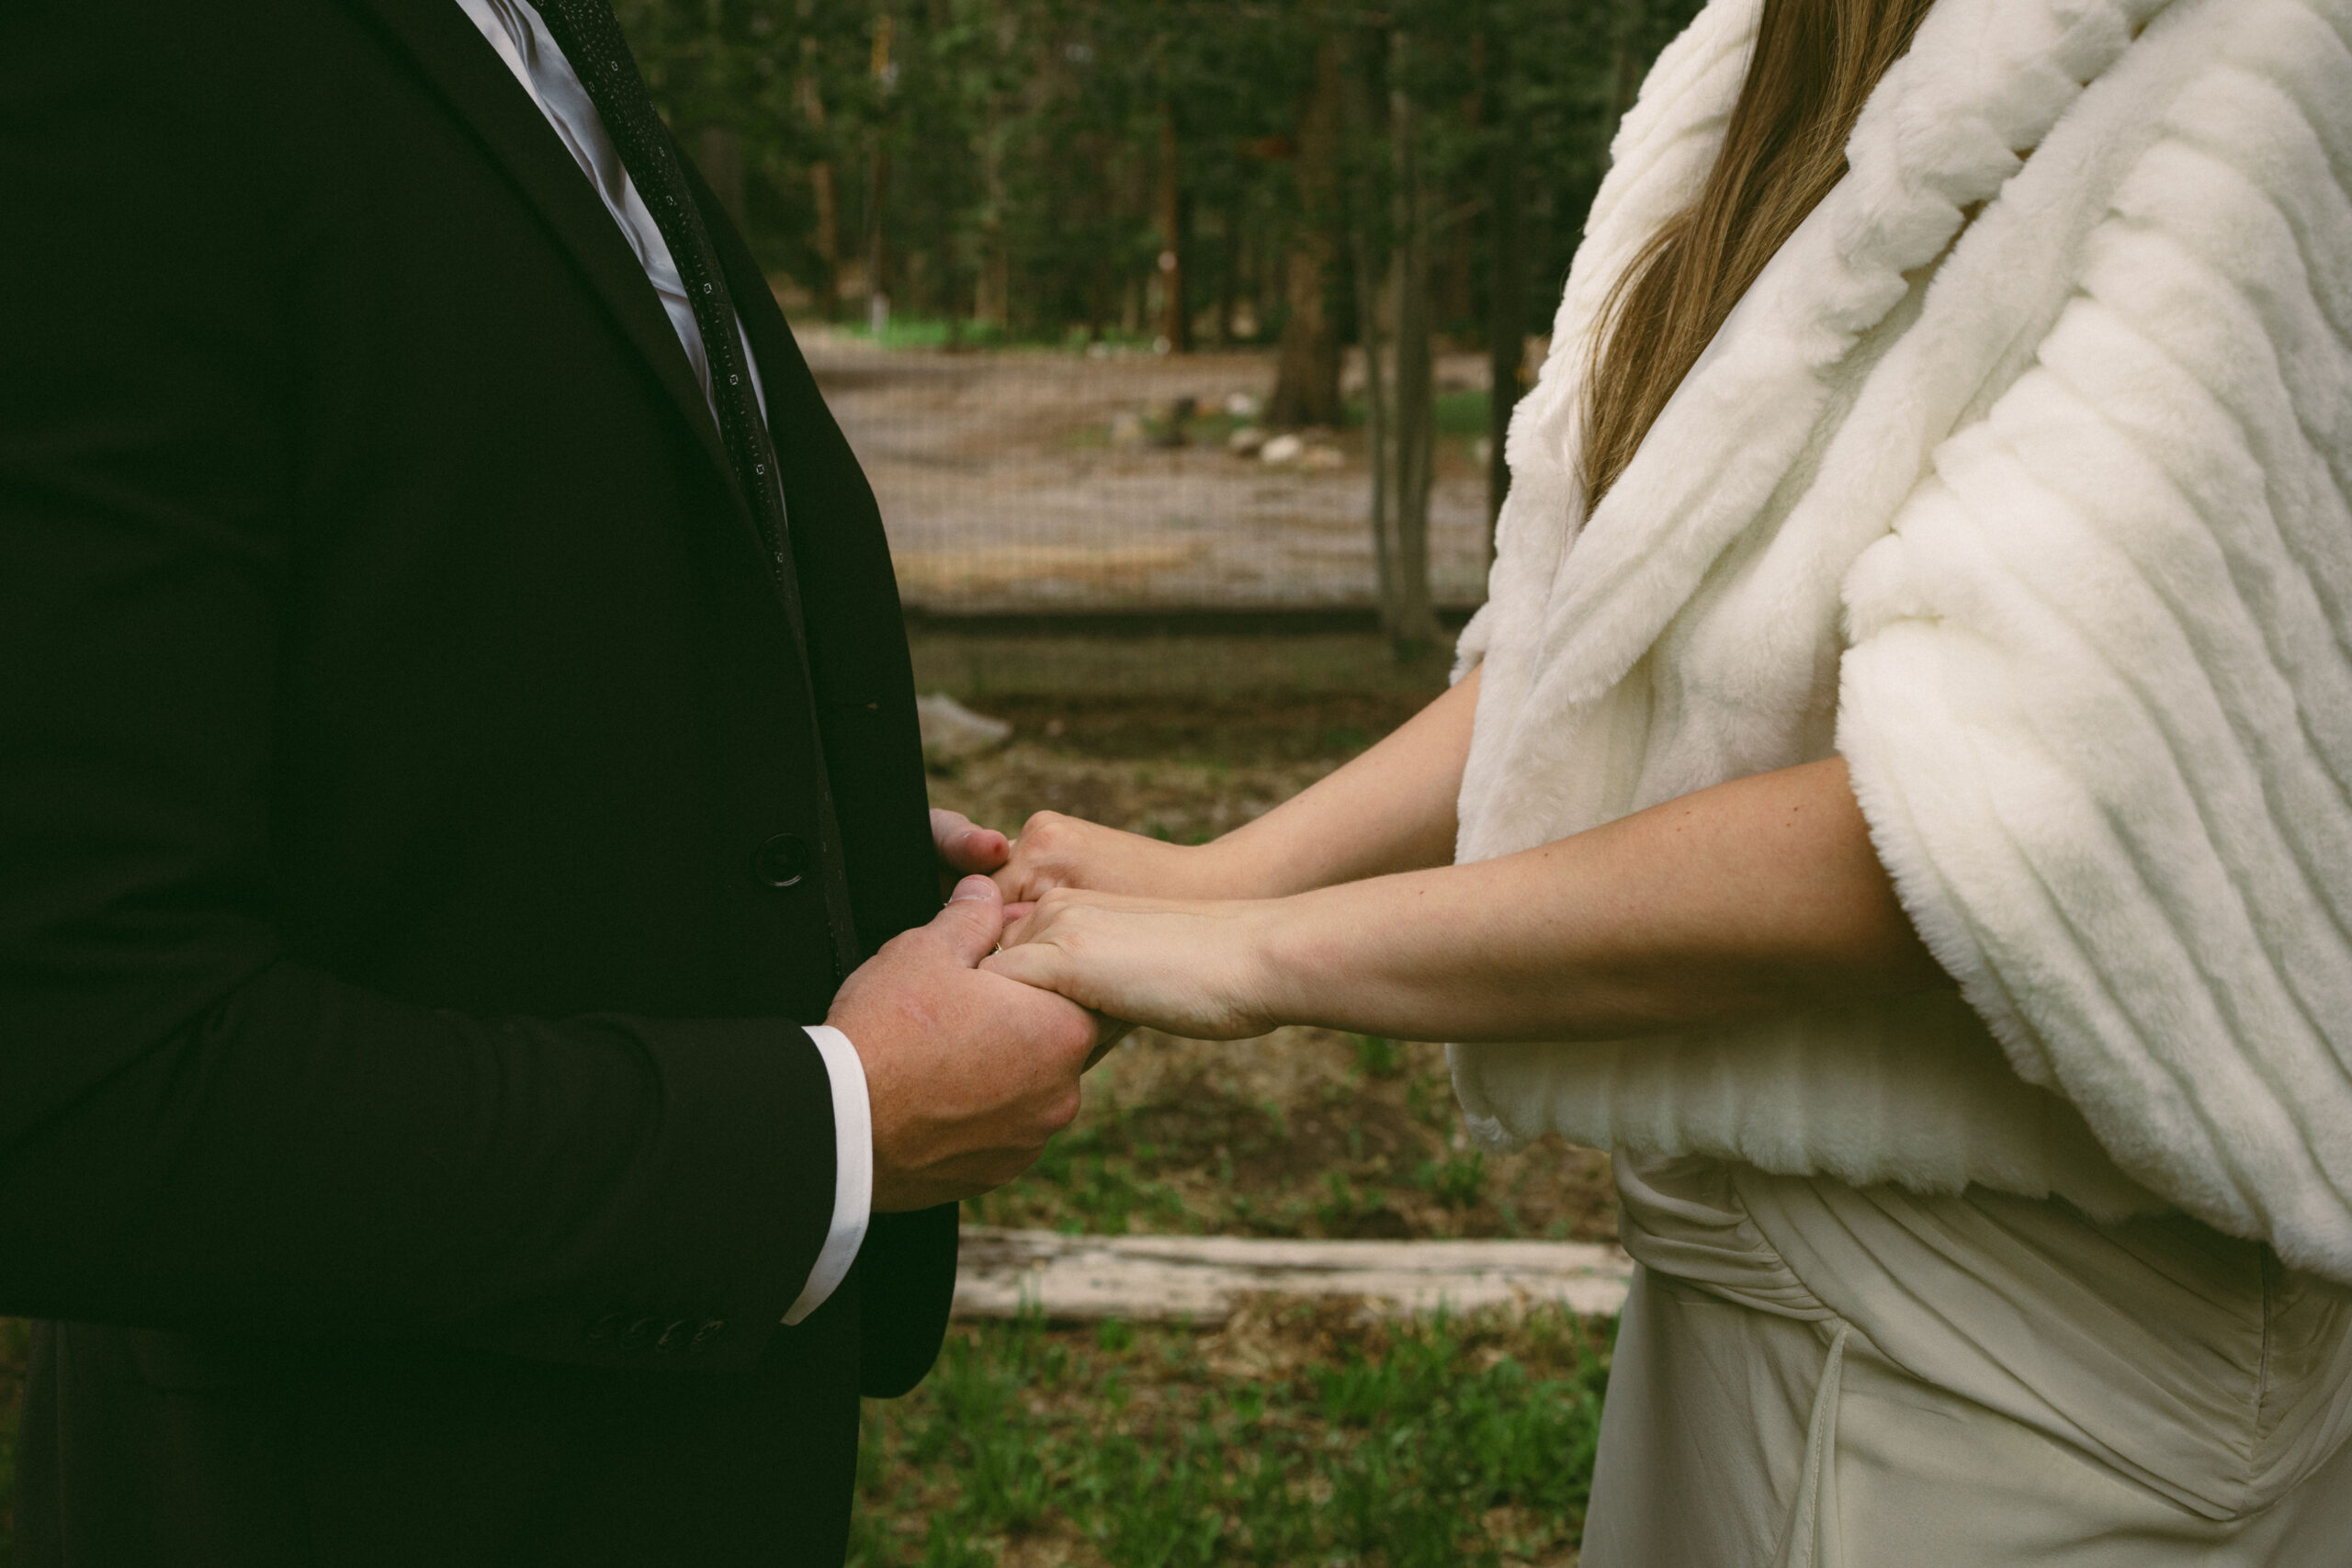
1440, 1444
1377, 1057
1431, 1445
929, 332
1461, 413
1094, 1175
1345, 1206
1457, 1182
1014, 162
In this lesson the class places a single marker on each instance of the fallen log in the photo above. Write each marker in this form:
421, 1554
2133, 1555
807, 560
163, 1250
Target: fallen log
1199, 1280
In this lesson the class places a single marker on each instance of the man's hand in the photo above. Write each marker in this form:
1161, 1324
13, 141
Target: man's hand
964, 849
969, 1074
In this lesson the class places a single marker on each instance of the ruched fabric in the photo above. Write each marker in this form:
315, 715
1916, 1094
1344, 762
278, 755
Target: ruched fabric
1815, 1375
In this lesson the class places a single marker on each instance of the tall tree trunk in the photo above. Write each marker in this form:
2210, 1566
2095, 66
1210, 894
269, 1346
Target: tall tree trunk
993, 288
1175, 310
1307, 372
829, 238
877, 255
1227, 276
1507, 282
1412, 627
718, 152
1625, 68
821, 195
1370, 268
1248, 277
877, 292
951, 275
1099, 283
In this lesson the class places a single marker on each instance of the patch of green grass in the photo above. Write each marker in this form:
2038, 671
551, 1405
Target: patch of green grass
1402, 1445
1377, 1055
1458, 1181
1097, 1186
1357, 1140
1347, 1209
1461, 413
1458, 414
905, 330
926, 332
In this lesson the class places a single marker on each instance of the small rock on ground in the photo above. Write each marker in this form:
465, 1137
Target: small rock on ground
951, 730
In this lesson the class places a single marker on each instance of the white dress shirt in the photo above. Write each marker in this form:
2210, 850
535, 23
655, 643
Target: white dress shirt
522, 41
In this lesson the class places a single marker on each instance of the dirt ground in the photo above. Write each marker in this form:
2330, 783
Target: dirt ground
1025, 480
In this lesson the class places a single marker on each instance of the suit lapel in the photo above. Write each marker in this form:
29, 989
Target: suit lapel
468, 73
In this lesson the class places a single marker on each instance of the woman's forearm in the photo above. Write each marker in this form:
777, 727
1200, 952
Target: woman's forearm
1755, 896
1390, 810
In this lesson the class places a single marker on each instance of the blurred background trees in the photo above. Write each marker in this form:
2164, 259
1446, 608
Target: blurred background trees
1311, 176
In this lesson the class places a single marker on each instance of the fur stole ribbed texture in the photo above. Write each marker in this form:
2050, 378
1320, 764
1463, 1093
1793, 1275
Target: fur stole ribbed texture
2019, 478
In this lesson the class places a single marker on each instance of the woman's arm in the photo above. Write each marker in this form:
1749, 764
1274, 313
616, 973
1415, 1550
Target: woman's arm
1756, 897
1390, 810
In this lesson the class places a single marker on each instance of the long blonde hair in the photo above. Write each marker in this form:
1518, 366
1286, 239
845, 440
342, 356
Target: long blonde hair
1815, 62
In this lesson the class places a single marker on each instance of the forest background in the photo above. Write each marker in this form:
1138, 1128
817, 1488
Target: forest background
1309, 176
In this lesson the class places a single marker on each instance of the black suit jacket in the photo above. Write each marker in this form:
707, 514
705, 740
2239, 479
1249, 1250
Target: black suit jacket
400, 1119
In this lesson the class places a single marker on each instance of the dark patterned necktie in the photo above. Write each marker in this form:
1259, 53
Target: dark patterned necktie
591, 40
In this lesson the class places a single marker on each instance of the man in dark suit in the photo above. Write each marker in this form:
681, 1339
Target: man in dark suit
456, 730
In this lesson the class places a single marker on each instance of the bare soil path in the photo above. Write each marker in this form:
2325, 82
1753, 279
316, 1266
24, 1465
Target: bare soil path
1002, 487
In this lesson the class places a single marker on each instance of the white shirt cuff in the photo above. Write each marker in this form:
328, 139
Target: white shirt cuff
853, 1170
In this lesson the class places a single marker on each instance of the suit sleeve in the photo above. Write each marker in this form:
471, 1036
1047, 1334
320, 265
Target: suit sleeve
196, 1131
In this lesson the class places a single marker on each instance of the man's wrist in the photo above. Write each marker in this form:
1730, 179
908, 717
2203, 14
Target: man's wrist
853, 1170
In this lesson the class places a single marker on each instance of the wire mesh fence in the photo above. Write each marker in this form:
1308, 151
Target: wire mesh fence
1042, 482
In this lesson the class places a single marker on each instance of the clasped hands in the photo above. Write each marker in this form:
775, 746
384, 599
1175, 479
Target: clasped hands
974, 1028
1138, 929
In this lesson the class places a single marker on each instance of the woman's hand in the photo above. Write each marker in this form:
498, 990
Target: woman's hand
1058, 852
1389, 810
1192, 968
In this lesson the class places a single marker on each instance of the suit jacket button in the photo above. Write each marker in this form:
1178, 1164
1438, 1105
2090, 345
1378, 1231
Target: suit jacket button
782, 861
675, 1337
707, 1333
638, 1334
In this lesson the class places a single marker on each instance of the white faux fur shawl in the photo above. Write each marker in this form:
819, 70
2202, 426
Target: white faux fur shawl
2019, 478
